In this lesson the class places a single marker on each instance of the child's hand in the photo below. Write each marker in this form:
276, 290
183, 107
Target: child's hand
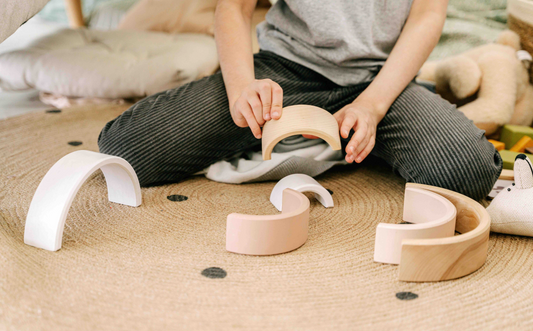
259, 102
363, 119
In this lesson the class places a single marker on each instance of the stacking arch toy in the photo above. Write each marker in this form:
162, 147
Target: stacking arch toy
52, 200
426, 260
433, 215
270, 234
300, 119
300, 183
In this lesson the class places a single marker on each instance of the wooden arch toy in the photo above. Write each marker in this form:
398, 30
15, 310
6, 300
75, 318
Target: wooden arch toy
433, 215
427, 260
300, 119
300, 183
51, 202
270, 234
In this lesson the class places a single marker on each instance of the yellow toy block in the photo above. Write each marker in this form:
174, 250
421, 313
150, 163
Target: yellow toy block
508, 158
511, 134
497, 144
522, 144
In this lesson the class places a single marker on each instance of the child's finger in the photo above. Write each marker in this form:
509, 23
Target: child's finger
257, 107
347, 124
265, 92
349, 158
308, 136
367, 150
362, 144
277, 101
357, 139
251, 120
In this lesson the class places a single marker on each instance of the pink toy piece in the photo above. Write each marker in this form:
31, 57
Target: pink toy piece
51, 202
434, 217
270, 234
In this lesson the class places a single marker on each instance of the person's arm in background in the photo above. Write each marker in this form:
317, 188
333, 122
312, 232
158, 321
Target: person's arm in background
252, 102
419, 36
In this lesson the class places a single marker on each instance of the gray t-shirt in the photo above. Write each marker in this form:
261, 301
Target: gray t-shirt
347, 41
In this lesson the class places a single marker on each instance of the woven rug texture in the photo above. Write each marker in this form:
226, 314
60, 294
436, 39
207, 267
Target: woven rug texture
163, 265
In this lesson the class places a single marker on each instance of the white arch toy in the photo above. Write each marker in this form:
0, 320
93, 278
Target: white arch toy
52, 200
300, 119
433, 215
300, 183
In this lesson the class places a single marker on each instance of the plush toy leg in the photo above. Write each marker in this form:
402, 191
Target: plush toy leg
523, 111
496, 99
459, 74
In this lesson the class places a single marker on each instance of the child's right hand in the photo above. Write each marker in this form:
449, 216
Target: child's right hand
258, 103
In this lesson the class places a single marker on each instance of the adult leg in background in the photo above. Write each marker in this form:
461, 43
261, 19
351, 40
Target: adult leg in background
427, 140
173, 134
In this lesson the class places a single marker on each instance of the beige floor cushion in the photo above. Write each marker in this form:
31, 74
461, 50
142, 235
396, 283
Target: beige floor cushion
108, 64
174, 16
13, 13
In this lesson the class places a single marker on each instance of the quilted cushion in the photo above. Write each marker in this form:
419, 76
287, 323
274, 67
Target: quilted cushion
108, 64
13, 13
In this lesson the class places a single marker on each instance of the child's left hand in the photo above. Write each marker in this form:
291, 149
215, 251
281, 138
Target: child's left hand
363, 118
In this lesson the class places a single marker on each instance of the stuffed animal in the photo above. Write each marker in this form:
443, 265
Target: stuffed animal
511, 211
490, 84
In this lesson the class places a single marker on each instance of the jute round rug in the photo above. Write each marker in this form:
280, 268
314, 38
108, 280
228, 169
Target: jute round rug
163, 265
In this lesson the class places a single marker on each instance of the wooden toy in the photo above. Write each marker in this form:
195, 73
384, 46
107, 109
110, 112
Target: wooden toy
433, 215
508, 158
511, 134
300, 119
270, 234
51, 202
300, 183
427, 260
522, 144
507, 174
529, 150
497, 144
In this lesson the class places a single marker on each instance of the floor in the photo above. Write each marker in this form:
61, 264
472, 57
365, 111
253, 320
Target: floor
22, 102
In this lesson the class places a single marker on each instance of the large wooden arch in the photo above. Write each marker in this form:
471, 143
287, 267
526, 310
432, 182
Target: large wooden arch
424, 260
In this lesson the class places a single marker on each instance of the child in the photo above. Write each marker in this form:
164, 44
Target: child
356, 59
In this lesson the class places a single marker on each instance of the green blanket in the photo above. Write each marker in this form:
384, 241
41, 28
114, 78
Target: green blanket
470, 23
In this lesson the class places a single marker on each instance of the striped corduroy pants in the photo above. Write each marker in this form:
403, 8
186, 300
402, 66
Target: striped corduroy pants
171, 135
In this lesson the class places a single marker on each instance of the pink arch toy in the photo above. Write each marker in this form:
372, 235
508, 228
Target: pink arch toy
270, 234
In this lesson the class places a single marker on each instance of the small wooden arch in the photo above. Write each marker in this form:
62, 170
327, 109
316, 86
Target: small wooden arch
433, 217
52, 200
270, 234
300, 119
301, 183
426, 260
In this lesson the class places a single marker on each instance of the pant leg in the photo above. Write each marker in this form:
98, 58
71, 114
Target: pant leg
427, 140
173, 134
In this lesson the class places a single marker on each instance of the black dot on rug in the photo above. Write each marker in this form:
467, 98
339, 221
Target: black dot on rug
406, 295
214, 272
53, 111
75, 143
177, 197
330, 191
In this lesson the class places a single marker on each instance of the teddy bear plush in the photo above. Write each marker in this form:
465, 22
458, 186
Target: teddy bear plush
511, 211
490, 84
